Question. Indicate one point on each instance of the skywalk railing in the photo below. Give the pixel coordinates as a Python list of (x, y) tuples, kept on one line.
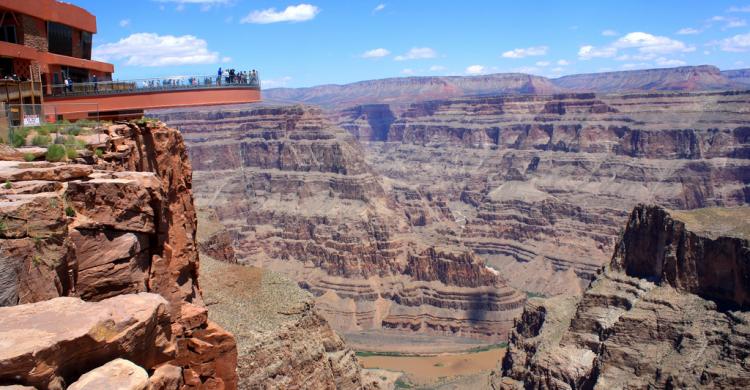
[(174, 83)]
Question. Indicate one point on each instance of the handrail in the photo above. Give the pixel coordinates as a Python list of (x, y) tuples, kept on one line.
[(154, 84)]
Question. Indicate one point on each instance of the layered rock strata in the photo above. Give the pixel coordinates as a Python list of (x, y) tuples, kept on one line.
[(539, 186), (98, 228), (669, 312), (293, 194)]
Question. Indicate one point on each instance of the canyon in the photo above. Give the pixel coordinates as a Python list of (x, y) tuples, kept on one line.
[(291, 193), (669, 311)]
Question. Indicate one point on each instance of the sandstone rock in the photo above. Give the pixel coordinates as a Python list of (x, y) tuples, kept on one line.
[(23, 171), (119, 374), (166, 377), (63, 336)]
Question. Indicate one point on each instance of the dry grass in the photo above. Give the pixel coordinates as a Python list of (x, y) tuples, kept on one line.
[(717, 221)]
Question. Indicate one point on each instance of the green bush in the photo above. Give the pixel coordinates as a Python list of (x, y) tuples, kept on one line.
[(70, 212), (8, 185), (41, 140), (71, 152), (55, 153), (18, 140), (99, 153), (29, 157)]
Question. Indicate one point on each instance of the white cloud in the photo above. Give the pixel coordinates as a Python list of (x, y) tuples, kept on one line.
[(688, 31), (437, 68), (563, 62), (588, 52), (125, 23), (407, 71), (376, 53), (226, 60), (475, 70), (558, 69), (417, 53), (729, 21), (738, 43), (542, 63), (277, 82), (610, 33), (648, 43), (739, 9), (647, 46), (379, 7), (661, 61), (149, 49), (526, 52), (292, 13)]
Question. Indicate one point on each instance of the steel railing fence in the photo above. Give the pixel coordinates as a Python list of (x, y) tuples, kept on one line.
[(250, 80)]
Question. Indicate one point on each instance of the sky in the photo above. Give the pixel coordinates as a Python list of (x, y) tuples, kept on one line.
[(300, 44)]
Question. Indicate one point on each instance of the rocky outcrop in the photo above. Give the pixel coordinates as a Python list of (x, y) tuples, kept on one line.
[(539, 186), (654, 318), (293, 194), (98, 228)]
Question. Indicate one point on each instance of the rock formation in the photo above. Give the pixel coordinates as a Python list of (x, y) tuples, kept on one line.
[(669, 312), (294, 195), (102, 229), (539, 186)]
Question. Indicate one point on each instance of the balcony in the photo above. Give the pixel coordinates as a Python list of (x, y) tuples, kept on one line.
[(130, 98), (139, 86)]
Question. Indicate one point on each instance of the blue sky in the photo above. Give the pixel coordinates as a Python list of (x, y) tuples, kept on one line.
[(311, 42)]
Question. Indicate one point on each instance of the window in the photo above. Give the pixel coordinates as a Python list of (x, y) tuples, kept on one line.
[(8, 34), (86, 45), (60, 39)]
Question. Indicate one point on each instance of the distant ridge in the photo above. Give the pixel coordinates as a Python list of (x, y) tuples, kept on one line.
[(406, 90)]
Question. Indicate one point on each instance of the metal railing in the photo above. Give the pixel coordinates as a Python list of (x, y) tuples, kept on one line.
[(250, 80)]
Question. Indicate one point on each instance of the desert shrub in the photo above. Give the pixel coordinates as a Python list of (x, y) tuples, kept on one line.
[(7, 185), (17, 140), (29, 157), (41, 140), (99, 152), (71, 152), (55, 153), (70, 212)]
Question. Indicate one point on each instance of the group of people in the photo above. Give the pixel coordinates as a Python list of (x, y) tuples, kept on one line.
[(13, 77), (231, 76)]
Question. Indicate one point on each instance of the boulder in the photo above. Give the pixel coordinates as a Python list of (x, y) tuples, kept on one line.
[(119, 374), (64, 337)]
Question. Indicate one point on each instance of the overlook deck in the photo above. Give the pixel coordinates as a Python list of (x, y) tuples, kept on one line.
[(120, 99)]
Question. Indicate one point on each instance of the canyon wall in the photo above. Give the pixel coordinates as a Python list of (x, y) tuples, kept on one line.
[(539, 186), (670, 311), (113, 231), (293, 194)]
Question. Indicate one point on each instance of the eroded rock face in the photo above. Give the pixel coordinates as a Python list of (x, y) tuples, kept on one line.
[(637, 329), (292, 192), (539, 186), (123, 224)]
